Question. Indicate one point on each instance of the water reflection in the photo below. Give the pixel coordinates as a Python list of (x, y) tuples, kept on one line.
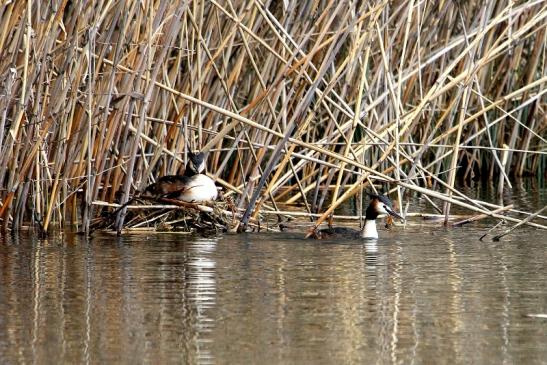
[(417, 295), (371, 255), (201, 291), (71, 300)]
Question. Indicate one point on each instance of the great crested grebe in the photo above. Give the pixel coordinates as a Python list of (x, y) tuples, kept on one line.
[(192, 187), (379, 204)]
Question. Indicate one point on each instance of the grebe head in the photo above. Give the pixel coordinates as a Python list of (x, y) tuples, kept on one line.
[(380, 204), (196, 162)]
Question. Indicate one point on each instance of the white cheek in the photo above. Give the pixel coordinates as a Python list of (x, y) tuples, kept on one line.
[(382, 209), (201, 167)]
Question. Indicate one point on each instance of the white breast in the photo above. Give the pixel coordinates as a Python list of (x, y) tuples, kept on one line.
[(369, 230), (201, 188)]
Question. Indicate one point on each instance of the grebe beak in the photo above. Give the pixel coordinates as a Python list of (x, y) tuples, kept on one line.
[(393, 213)]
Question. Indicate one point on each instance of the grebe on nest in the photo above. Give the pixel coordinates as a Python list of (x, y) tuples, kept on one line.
[(379, 204), (191, 187)]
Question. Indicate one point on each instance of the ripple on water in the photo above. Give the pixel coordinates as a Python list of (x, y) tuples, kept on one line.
[(420, 293)]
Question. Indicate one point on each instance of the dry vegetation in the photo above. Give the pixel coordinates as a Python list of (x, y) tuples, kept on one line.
[(297, 102)]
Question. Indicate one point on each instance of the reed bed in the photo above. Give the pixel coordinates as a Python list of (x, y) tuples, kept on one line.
[(304, 103)]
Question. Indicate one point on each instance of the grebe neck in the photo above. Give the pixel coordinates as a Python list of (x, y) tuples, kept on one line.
[(369, 229)]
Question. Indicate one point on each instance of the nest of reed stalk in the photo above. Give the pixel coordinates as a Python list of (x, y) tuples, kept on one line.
[(169, 215)]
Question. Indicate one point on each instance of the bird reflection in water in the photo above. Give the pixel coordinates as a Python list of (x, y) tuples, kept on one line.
[(202, 292), (371, 254)]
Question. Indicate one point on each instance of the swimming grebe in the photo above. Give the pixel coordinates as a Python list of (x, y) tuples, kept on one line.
[(192, 187), (379, 204)]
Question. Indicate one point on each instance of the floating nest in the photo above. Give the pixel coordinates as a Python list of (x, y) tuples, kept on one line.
[(171, 215)]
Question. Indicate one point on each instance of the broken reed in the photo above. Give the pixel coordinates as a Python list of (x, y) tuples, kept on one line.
[(99, 98)]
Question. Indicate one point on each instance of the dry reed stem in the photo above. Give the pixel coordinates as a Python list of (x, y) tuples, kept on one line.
[(104, 97), (481, 216), (525, 221)]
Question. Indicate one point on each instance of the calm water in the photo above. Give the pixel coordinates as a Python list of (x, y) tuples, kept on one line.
[(423, 294)]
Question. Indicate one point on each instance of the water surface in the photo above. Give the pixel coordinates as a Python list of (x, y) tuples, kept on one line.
[(424, 294)]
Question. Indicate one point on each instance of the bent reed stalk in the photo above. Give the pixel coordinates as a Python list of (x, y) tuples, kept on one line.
[(298, 103)]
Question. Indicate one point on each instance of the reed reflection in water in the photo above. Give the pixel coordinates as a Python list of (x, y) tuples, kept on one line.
[(419, 295)]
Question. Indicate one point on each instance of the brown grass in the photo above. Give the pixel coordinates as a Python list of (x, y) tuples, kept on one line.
[(290, 98)]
